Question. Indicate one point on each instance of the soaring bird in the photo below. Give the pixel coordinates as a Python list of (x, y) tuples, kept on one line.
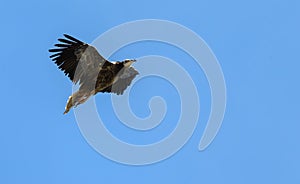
[(82, 63)]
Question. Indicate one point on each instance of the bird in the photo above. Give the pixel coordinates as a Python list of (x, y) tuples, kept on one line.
[(83, 64)]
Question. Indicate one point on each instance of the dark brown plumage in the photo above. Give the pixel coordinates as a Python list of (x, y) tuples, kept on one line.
[(82, 63)]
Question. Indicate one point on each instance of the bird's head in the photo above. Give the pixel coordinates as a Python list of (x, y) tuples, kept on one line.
[(128, 62)]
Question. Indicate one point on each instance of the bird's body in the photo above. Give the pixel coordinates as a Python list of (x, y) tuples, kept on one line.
[(82, 63)]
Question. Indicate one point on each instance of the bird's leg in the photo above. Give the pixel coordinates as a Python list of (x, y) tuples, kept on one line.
[(81, 100), (84, 98)]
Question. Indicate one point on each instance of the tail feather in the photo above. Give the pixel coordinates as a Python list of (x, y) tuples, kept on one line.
[(69, 104)]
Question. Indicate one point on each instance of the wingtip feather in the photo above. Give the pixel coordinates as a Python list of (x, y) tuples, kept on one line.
[(72, 38)]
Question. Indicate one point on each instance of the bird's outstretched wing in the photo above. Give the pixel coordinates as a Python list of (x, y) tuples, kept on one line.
[(78, 60), (124, 80)]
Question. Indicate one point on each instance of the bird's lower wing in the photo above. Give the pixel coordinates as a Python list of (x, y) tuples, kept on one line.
[(124, 79)]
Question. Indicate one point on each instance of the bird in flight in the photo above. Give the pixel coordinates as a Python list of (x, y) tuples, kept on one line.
[(82, 63)]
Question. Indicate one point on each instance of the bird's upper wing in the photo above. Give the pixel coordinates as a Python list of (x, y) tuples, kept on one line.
[(124, 80), (78, 60)]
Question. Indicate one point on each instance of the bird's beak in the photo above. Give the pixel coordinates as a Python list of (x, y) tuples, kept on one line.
[(132, 61)]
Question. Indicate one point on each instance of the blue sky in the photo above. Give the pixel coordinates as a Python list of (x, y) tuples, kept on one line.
[(256, 43)]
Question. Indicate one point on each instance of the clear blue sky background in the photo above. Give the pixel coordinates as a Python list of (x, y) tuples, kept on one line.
[(256, 42)]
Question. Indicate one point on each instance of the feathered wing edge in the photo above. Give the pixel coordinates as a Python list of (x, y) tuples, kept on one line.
[(69, 52), (67, 55)]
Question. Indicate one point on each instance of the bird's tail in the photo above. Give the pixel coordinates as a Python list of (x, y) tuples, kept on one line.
[(69, 104), (76, 99)]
